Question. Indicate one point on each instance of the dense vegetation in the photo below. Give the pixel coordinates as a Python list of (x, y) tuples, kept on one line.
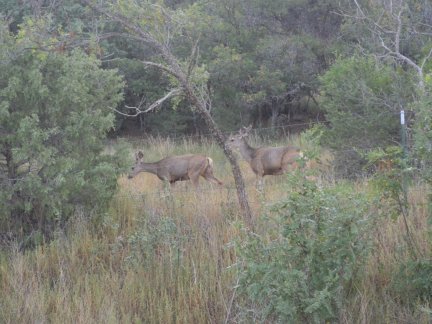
[(79, 242)]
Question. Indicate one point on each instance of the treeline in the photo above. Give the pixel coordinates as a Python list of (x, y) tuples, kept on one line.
[(266, 63), (261, 60)]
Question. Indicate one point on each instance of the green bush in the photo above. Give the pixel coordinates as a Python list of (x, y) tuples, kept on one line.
[(157, 237), (423, 131), (302, 269), (54, 117), (413, 281), (361, 99)]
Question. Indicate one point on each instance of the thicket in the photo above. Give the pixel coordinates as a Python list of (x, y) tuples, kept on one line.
[(54, 120), (305, 267)]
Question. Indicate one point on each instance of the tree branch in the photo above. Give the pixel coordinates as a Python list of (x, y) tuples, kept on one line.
[(157, 103), (193, 58), (161, 67), (396, 53), (138, 32)]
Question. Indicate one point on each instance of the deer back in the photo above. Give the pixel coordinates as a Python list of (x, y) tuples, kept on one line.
[(178, 167), (175, 168)]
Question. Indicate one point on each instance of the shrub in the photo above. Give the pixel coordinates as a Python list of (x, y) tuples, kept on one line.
[(54, 118), (155, 238), (302, 270), (361, 99), (413, 281), (423, 131)]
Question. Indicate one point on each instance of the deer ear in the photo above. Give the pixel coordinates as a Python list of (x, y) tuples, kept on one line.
[(140, 155), (244, 131)]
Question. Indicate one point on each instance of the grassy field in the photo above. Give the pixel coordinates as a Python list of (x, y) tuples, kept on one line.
[(160, 256)]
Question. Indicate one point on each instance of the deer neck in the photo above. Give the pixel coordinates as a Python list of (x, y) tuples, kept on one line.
[(246, 151), (149, 167)]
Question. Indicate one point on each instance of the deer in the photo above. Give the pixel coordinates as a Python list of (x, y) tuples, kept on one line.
[(177, 168), (265, 160)]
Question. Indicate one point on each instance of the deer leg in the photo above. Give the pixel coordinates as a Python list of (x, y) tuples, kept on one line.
[(194, 177), (208, 175), (166, 186), (260, 183), (195, 180), (196, 171), (258, 169)]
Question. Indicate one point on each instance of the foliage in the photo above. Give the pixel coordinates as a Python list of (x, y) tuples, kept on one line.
[(359, 98), (423, 131), (302, 272), (155, 238), (390, 172), (53, 117), (97, 274), (228, 71), (252, 84), (413, 281), (374, 26), (389, 165), (391, 183)]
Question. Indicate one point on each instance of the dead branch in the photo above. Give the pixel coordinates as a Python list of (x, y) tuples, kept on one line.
[(394, 50), (157, 103), (161, 67)]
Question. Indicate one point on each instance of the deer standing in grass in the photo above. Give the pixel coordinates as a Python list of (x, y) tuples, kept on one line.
[(265, 160), (177, 168)]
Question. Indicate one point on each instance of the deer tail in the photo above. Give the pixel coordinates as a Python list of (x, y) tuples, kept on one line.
[(209, 162)]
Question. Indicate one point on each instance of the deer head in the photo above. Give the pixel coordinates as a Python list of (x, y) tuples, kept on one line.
[(139, 156), (237, 141)]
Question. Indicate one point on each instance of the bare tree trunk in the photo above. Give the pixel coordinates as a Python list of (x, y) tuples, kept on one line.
[(220, 139), (274, 115), (216, 134)]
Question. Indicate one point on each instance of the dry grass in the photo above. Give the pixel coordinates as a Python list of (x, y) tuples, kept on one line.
[(373, 301), (165, 257)]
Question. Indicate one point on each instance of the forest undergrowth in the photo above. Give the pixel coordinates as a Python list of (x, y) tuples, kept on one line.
[(181, 255)]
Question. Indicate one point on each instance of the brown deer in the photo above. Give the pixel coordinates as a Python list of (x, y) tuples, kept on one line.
[(384, 165), (177, 168), (265, 160)]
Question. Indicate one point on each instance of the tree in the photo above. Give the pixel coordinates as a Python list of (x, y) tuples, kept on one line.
[(290, 43), (398, 34), (155, 25), (423, 131), (361, 99), (52, 125), (396, 31)]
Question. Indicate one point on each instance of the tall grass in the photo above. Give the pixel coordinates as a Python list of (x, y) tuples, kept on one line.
[(374, 298), (161, 256)]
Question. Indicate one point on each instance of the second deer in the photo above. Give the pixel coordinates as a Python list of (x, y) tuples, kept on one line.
[(177, 168), (265, 160)]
